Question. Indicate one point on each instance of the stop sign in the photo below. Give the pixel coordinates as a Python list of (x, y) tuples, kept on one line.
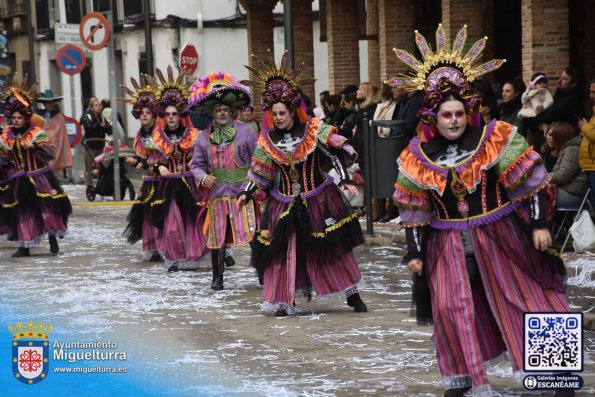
[(189, 59)]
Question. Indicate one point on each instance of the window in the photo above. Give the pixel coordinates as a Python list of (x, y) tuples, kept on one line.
[(45, 15), (133, 11), (74, 11)]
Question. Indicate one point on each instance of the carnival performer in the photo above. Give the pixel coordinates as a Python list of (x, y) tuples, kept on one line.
[(220, 163), (38, 205), (308, 231), (55, 125), (475, 202), (179, 206), (142, 98)]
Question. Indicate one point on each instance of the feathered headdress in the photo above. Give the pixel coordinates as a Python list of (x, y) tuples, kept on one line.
[(19, 96), (141, 95), (277, 84), (172, 92), (443, 72), (215, 89)]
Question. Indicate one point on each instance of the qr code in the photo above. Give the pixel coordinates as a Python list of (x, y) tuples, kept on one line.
[(553, 342)]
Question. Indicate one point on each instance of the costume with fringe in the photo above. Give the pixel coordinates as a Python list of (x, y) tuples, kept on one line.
[(471, 274), (38, 205), (308, 230), (226, 223), (180, 206), (469, 206), (140, 215)]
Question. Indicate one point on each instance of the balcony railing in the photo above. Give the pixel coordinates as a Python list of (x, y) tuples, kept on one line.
[(11, 8)]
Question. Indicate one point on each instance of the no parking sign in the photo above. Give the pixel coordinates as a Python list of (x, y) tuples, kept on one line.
[(71, 59)]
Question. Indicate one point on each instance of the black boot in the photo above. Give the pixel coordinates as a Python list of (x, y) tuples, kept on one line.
[(281, 312), (54, 249), (21, 252), (356, 302), (229, 261), (218, 264), (156, 257), (456, 392)]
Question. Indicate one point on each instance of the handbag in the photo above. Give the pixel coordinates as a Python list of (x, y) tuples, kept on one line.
[(583, 233)]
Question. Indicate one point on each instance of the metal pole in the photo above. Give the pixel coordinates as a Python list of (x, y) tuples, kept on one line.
[(288, 30), (113, 92), (148, 37), (367, 174), (75, 169), (30, 33)]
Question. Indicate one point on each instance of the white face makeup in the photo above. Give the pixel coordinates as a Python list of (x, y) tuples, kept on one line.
[(451, 119), (172, 118), (282, 116)]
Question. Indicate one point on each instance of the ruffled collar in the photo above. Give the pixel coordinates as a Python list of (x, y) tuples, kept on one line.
[(302, 149), (415, 161)]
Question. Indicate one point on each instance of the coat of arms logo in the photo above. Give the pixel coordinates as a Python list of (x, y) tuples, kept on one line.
[(30, 351)]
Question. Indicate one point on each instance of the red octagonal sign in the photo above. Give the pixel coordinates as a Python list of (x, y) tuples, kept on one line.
[(189, 59)]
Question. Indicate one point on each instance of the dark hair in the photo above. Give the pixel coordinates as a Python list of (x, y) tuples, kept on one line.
[(518, 85), (387, 92), (541, 79), (334, 100), (351, 88), (574, 74), (350, 97)]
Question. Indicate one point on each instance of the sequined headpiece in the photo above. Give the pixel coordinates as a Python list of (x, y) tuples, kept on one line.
[(172, 92), (217, 89), (443, 63), (19, 97), (142, 95), (277, 84), (442, 73)]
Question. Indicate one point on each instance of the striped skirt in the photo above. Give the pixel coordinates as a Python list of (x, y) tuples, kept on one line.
[(477, 320), (309, 248)]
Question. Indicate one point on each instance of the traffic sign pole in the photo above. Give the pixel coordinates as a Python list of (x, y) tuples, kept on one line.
[(76, 177), (113, 94)]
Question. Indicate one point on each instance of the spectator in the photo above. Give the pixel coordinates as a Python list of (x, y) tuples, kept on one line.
[(95, 127), (349, 89), (489, 102), (567, 99), (511, 104), (246, 116), (587, 149), (333, 117), (349, 114), (384, 111), (548, 155), (567, 174), (322, 111), (367, 95), (408, 114), (106, 103), (536, 97), (56, 127)]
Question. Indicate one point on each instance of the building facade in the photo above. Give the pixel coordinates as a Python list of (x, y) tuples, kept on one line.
[(340, 41)]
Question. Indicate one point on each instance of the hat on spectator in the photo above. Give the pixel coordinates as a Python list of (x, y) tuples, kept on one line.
[(48, 96)]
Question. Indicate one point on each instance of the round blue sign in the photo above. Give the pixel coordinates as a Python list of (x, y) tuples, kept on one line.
[(71, 59)]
